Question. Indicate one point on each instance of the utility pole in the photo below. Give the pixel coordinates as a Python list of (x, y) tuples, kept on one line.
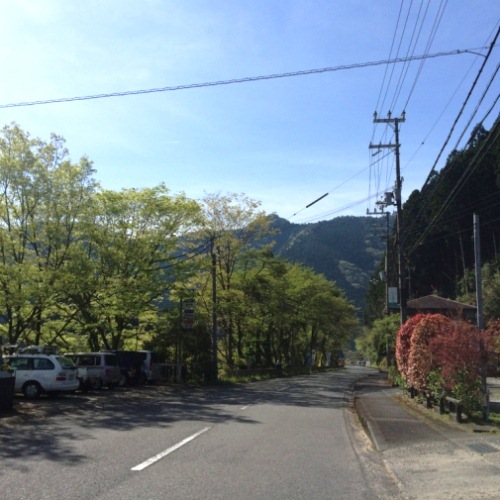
[(384, 274), (480, 319), (385, 277), (215, 364), (394, 122)]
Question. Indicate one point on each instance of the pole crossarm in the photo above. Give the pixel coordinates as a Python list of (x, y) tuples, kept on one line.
[(381, 146)]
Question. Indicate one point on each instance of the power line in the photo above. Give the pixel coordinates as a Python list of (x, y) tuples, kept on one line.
[(331, 190), (243, 80), (474, 163), (464, 105), (461, 111), (434, 29)]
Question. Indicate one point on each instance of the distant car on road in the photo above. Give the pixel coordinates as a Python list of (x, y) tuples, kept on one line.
[(340, 359), (38, 374)]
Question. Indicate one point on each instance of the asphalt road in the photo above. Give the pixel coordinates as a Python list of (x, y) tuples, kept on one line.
[(287, 438)]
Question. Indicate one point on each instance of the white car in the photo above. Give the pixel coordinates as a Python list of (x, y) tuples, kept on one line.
[(38, 374)]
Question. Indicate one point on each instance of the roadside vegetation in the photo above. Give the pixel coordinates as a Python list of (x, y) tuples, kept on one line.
[(431, 354), (85, 268)]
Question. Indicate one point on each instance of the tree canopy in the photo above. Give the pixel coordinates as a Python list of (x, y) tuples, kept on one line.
[(82, 267)]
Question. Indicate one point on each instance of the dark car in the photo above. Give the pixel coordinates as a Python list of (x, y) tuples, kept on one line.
[(137, 367)]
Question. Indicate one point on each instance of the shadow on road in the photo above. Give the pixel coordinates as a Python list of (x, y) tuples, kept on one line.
[(42, 427)]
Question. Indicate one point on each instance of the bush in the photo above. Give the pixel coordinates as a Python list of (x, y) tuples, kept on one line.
[(436, 355), (421, 360), (468, 388)]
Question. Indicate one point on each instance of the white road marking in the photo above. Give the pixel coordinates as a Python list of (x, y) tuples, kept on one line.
[(166, 452), (245, 407)]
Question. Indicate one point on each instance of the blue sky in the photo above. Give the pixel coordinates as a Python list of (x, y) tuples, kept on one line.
[(285, 141)]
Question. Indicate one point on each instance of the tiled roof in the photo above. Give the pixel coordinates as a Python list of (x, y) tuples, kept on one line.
[(435, 302)]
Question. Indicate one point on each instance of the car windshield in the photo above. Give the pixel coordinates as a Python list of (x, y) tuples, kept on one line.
[(66, 363)]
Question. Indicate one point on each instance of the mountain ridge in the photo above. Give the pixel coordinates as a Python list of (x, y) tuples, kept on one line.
[(346, 250)]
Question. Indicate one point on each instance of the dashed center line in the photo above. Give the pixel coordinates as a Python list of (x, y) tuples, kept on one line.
[(166, 452)]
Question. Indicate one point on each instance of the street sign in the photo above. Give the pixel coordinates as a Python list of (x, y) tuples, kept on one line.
[(392, 297), (188, 323), (188, 313)]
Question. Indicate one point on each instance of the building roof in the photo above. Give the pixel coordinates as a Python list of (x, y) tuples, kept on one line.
[(435, 302)]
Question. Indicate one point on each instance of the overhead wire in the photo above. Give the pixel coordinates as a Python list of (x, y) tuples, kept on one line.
[(493, 136), (331, 191), (490, 201), (399, 87), (412, 44), (239, 80), (437, 22), (183, 257), (411, 47), (397, 53), (387, 67), (408, 226), (438, 119), (479, 104), (461, 111)]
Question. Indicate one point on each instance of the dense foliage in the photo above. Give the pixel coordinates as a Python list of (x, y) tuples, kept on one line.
[(87, 268), (436, 355)]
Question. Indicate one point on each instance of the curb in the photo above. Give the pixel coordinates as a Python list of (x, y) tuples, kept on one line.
[(370, 427)]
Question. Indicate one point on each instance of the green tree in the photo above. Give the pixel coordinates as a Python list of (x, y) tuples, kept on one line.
[(235, 225), (292, 314), (42, 198), (129, 263)]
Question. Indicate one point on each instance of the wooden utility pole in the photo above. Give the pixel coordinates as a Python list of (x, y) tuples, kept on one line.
[(480, 319), (385, 279), (394, 122), (215, 364), (383, 204)]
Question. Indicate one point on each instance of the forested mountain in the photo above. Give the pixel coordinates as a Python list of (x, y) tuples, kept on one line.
[(346, 250)]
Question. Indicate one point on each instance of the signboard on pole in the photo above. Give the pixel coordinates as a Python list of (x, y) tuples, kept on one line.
[(188, 313), (392, 297)]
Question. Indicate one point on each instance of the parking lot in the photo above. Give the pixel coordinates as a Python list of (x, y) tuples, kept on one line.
[(25, 411)]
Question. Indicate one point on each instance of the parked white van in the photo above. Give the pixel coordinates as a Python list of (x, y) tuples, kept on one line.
[(38, 374), (96, 369)]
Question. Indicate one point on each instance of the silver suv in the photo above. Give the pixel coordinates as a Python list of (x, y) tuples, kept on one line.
[(38, 374)]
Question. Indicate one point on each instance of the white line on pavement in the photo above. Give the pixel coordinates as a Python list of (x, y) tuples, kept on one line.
[(166, 452)]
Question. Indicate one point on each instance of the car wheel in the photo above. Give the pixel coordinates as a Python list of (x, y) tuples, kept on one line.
[(97, 384), (32, 390), (124, 380)]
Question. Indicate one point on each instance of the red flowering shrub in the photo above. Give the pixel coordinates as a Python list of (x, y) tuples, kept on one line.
[(456, 353), (403, 344), (421, 361), (435, 354)]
